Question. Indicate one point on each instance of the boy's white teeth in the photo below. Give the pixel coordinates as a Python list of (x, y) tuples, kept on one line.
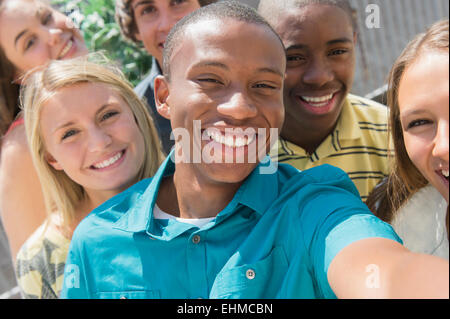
[(319, 99), (230, 140), (445, 172), (66, 49), (109, 162)]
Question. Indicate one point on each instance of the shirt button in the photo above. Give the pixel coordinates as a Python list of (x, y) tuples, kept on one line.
[(196, 239), (250, 274)]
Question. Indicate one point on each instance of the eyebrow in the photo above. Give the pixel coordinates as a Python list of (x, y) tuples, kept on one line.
[(23, 32), (331, 42), (209, 64), (411, 112), (340, 40), (19, 36), (71, 122), (143, 2), (225, 67)]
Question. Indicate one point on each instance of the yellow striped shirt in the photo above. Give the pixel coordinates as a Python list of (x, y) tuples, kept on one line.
[(40, 263), (358, 145)]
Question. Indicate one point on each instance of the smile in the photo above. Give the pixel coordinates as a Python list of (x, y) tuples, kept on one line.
[(445, 173), (66, 49), (230, 140), (109, 162), (318, 101)]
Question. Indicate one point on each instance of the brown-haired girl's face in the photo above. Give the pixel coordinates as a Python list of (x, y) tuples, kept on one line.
[(423, 100), (31, 33)]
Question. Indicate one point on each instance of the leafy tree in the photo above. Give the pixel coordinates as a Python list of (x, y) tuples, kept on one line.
[(95, 19)]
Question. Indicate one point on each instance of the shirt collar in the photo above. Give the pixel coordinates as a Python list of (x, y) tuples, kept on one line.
[(347, 125), (261, 188), (258, 192), (347, 128), (139, 215), (155, 70)]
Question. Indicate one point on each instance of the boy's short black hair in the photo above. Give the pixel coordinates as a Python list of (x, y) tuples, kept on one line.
[(269, 8), (219, 10)]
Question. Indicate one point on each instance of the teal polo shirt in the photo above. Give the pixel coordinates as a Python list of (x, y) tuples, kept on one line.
[(275, 239)]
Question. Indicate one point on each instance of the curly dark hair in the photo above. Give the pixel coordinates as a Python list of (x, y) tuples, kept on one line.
[(125, 18)]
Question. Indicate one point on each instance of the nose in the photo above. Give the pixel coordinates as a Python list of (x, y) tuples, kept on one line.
[(441, 141), (99, 139), (317, 73), (238, 106), (54, 36), (166, 22)]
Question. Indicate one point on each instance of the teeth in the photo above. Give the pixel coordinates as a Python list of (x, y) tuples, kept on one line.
[(445, 172), (229, 140), (109, 162), (318, 99), (66, 49)]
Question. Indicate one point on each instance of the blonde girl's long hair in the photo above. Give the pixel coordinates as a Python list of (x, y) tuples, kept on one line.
[(404, 179), (62, 194)]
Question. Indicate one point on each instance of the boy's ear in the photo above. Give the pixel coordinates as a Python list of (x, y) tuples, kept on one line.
[(162, 96), (52, 161)]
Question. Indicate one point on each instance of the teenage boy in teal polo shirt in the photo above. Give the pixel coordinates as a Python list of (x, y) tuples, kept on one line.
[(208, 227)]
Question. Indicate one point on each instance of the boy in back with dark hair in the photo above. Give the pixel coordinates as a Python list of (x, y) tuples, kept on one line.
[(147, 23), (325, 124), (215, 221)]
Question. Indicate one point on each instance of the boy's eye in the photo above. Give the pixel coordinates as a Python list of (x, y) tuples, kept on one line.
[(147, 10), (338, 52), (209, 80), (264, 86), (295, 58)]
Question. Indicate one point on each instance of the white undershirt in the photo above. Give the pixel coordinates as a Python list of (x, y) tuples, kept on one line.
[(199, 222)]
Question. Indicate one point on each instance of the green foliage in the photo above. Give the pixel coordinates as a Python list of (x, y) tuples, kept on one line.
[(95, 18)]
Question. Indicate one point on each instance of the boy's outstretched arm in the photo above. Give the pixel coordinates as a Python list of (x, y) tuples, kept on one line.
[(383, 268)]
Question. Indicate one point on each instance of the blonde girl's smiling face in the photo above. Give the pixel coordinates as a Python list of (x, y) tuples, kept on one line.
[(90, 133), (32, 33), (424, 114)]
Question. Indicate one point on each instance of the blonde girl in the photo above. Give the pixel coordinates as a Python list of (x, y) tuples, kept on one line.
[(90, 138)]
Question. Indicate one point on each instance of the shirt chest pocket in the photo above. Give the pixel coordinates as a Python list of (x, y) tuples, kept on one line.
[(262, 279), (138, 294)]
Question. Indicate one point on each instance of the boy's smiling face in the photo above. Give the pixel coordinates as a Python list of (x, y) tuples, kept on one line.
[(228, 74), (320, 49)]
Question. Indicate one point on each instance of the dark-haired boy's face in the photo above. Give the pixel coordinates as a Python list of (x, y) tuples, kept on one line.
[(320, 43), (155, 18), (228, 75)]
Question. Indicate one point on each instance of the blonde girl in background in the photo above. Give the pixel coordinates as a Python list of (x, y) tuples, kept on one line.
[(90, 138)]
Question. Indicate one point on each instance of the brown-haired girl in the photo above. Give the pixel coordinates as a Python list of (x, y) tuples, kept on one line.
[(416, 195)]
